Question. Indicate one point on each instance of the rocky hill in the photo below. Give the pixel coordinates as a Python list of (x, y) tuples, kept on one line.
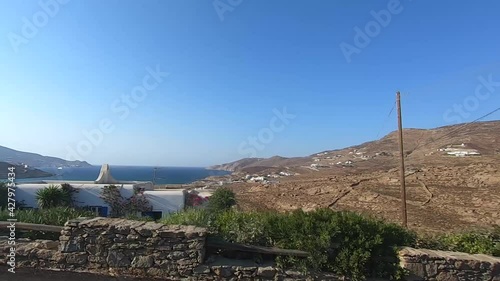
[(258, 164), (36, 160), (421, 146), (452, 179), (21, 172)]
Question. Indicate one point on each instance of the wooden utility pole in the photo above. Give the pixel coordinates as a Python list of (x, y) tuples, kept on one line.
[(401, 152)]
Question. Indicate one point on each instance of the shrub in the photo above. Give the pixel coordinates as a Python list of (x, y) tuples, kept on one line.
[(137, 203), (472, 242), (120, 206), (468, 242), (222, 199), (197, 217), (54, 216), (51, 197), (112, 196), (68, 194), (341, 242)]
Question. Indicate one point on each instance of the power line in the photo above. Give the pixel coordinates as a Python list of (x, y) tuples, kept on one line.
[(458, 128), (386, 119)]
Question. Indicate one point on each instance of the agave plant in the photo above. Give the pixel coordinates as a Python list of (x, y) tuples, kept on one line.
[(51, 197)]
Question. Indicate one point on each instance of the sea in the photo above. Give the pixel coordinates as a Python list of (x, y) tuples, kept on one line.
[(158, 175)]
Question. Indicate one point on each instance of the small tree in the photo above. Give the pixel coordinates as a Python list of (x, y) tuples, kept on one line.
[(68, 193), (120, 206), (138, 203), (222, 199), (111, 195), (51, 197)]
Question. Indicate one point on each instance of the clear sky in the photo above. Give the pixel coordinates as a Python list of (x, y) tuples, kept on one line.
[(76, 75)]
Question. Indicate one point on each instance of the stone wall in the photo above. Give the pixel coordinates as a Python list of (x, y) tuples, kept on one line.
[(450, 266), (138, 248), (142, 249), (145, 249)]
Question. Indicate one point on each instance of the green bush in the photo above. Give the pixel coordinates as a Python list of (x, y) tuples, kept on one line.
[(473, 242), (197, 217), (68, 194), (222, 199), (122, 207), (341, 242), (53, 216), (53, 196)]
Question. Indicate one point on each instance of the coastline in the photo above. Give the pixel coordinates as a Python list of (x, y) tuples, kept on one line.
[(160, 176)]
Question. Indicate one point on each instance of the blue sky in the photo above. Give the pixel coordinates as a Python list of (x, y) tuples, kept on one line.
[(231, 69)]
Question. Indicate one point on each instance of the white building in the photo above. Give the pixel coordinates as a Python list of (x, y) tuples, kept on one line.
[(459, 150), (88, 194), (257, 179), (463, 153)]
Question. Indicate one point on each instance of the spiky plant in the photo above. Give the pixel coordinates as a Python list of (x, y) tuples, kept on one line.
[(50, 197)]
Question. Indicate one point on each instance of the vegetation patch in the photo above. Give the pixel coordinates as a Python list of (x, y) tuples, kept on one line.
[(472, 242), (221, 200), (122, 207), (341, 242), (52, 216)]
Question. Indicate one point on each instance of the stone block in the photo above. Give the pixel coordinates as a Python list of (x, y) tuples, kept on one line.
[(431, 269), (117, 259), (201, 269), (142, 261), (266, 272), (223, 271), (77, 258), (416, 269), (446, 276)]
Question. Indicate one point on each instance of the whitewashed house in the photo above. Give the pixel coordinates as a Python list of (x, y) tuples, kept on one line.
[(459, 150), (88, 194), (257, 179)]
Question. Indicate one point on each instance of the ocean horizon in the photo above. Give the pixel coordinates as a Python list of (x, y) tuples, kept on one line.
[(163, 175)]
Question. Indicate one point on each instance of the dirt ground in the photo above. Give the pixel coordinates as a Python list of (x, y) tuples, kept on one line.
[(439, 198)]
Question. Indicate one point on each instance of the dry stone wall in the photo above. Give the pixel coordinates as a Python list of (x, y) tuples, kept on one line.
[(449, 266), (166, 252), (141, 249)]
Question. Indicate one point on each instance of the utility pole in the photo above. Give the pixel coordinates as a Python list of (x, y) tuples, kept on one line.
[(401, 152)]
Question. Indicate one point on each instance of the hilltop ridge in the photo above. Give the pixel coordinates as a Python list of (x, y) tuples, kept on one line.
[(36, 160), (420, 145)]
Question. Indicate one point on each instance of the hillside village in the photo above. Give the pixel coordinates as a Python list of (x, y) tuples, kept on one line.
[(444, 174)]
